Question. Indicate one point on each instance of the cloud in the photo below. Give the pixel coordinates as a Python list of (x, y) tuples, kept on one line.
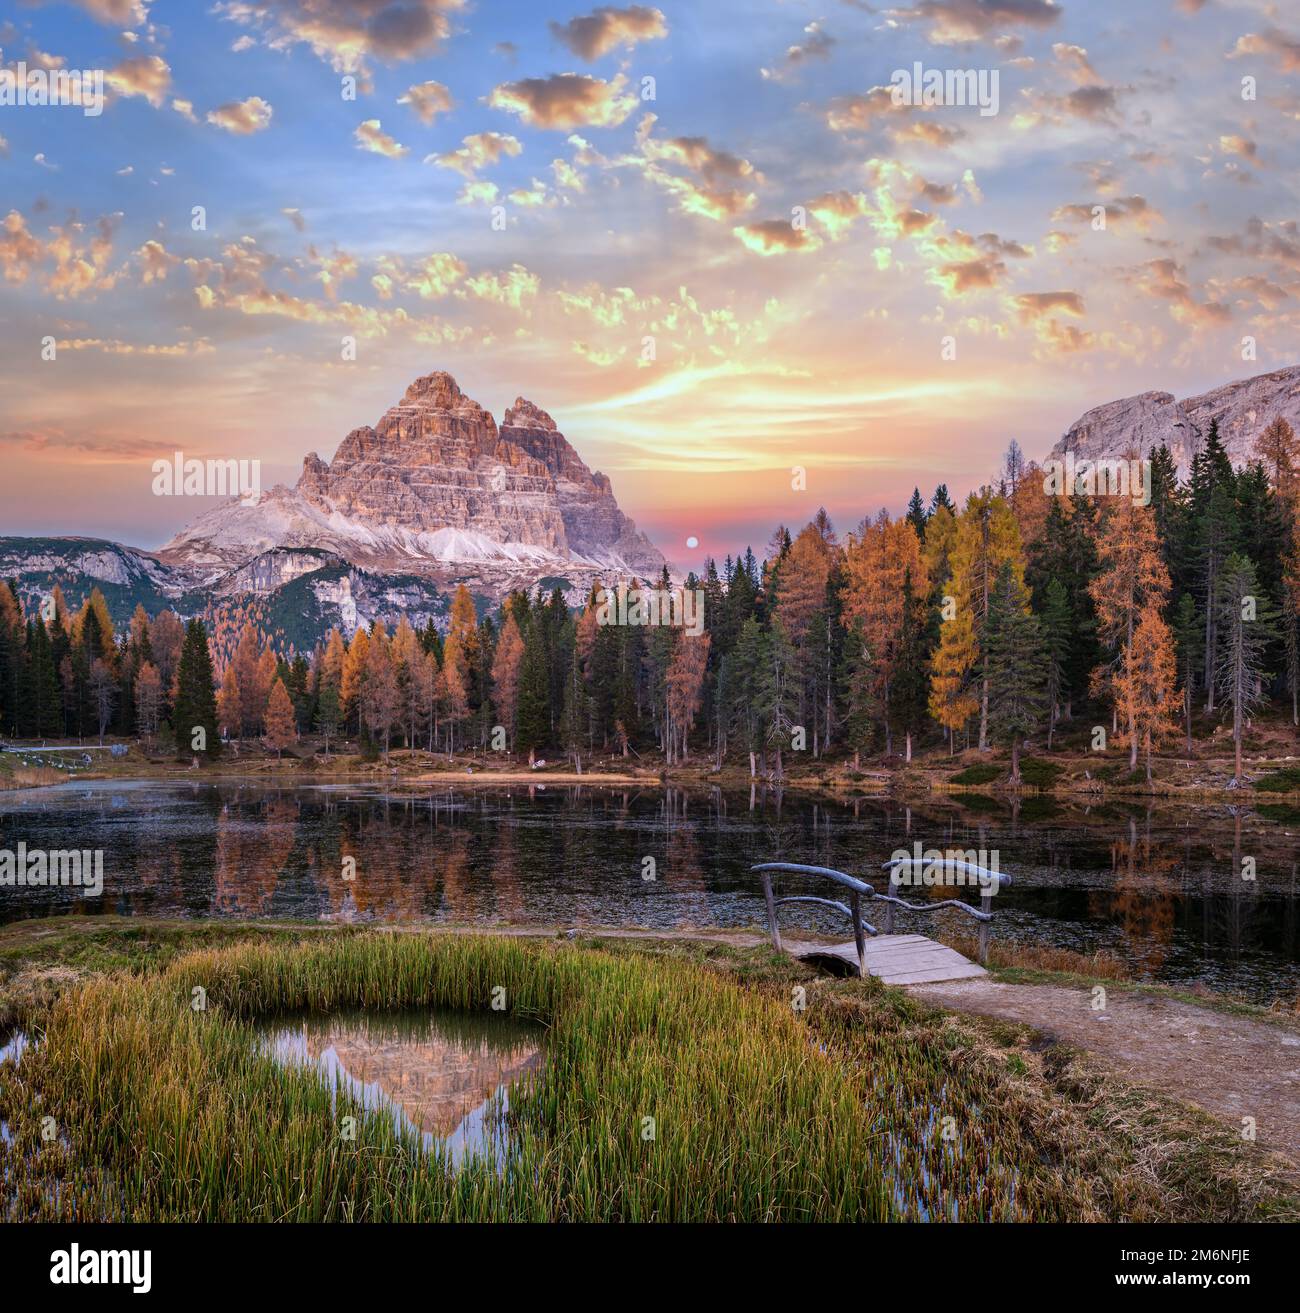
[(817, 46), (1074, 62), (605, 29), (951, 22), (116, 347), (19, 250), (1272, 42), (926, 132), (1035, 305), (294, 215), (1237, 145), (427, 99), (724, 189), (512, 288), (155, 261), (141, 75), (369, 137), (477, 151), (838, 211), (860, 112), (344, 33), (566, 101), (185, 108), (776, 237), (1134, 210), (1167, 281), (242, 117), (80, 256), (119, 13)]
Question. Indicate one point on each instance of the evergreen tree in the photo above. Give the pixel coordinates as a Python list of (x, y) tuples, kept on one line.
[(909, 688), (196, 701), (1014, 665), (1244, 630), (1188, 632), (1057, 630), (916, 514)]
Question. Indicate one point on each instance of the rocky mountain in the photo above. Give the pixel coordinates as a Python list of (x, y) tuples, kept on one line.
[(298, 594), (1244, 410), (435, 485), (434, 495)]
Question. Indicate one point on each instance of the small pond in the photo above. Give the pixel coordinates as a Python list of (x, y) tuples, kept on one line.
[(444, 1077)]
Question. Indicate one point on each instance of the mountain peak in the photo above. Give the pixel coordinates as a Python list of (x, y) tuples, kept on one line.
[(525, 415), (438, 391), (433, 482)]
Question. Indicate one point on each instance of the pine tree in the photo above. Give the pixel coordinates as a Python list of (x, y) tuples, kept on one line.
[(916, 514), (1056, 626), (1244, 630), (1188, 630), (194, 716), (533, 724), (910, 687), (858, 684), (1014, 664), (328, 713)]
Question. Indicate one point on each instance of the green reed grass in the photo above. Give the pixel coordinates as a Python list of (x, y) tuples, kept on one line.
[(862, 1107)]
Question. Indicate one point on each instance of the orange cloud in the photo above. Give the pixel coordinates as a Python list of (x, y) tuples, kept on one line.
[(566, 101), (606, 29)]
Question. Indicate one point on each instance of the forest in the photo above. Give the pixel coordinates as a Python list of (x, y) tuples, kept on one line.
[(1024, 615)]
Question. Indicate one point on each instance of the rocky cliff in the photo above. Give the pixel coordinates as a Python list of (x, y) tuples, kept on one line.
[(1244, 410), (432, 484)]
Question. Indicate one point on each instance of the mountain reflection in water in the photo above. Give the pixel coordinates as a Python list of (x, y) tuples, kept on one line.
[(435, 1073)]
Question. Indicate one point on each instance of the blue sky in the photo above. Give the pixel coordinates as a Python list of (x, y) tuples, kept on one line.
[(627, 218)]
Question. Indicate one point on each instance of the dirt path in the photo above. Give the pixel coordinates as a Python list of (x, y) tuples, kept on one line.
[(1228, 1065)]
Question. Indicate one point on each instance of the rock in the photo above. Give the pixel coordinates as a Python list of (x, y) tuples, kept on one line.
[(1244, 410), (433, 483)]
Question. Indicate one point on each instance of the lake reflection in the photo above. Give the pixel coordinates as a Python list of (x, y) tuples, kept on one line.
[(444, 1077), (1164, 889)]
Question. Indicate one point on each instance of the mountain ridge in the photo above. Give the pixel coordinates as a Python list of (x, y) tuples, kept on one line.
[(1141, 423)]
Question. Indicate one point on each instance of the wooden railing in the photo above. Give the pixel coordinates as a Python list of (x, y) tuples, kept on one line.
[(858, 889)]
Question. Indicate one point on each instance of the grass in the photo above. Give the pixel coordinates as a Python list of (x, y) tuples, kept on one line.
[(1041, 774), (863, 1105), (980, 773), (1286, 780)]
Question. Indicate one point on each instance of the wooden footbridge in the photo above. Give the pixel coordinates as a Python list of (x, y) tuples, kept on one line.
[(897, 959)]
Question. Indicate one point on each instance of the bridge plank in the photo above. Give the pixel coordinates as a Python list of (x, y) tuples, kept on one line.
[(897, 959)]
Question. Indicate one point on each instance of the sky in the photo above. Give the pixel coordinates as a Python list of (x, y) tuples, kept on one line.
[(743, 278)]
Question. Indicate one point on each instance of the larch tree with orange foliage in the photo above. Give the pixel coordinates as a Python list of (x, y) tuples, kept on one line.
[(281, 729), (685, 693), (987, 538), (380, 694), (505, 675), (800, 582), (878, 560), (1132, 580), (1145, 687), (354, 678)]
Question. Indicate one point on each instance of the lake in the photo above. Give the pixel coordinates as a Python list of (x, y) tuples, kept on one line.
[(1170, 890)]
